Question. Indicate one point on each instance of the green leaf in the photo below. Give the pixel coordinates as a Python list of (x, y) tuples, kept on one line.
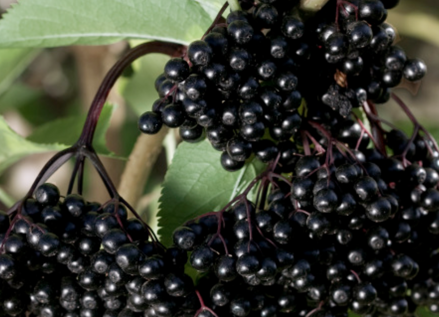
[(66, 131), (424, 312), (54, 136), (138, 90), (47, 23), (211, 6), (12, 63), (19, 95), (14, 147), (196, 183)]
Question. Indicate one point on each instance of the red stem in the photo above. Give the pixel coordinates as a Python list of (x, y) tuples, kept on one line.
[(203, 306)]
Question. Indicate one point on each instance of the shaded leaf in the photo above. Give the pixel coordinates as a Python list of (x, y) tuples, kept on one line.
[(47, 23), (138, 90), (66, 131), (14, 147), (54, 136), (12, 63), (18, 95), (196, 183)]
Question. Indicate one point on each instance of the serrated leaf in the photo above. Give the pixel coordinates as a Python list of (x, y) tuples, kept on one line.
[(48, 23), (66, 131), (196, 183), (12, 63)]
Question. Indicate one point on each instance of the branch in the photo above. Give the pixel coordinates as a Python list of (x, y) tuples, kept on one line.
[(170, 49), (139, 166)]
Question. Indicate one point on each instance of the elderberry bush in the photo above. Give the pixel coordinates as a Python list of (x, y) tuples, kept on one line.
[(354, 230), (248, 83), (69, 257)]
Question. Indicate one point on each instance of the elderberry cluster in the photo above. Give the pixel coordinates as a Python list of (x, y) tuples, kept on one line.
[(69, 257), (248, 84), (355, 229), (357, 51)]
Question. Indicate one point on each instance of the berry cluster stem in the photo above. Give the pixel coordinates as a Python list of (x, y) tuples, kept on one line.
[(83, 148), (114, 73)]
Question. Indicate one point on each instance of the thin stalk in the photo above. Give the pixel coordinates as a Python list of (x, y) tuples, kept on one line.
[(218, 18)]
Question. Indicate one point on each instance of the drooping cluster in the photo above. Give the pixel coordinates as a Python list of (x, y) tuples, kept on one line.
[(69, 257), (355, 229), (249, 83)]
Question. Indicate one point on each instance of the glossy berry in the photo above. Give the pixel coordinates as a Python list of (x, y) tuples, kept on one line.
[(372, 11), (238, 149), (150, 122), (414, 69), (199, 53), (252, 132), (47, 194), (152, 268), (266, 16), (172, 116), (240, 32), (292, 27), (75, 205), (359, 34), (176, 69), (265, 150), (240, 307), (202, 258), (379, 210)]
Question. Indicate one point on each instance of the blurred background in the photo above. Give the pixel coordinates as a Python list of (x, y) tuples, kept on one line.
[(40, 87)]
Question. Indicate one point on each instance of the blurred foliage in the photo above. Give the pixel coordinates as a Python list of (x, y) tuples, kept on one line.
[(138, 90), (12, 63), (418, 19), (66, 131)]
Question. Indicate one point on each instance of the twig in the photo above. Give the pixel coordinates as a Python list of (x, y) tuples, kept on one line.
[(217, 19), (139, 165), (114, 73)]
